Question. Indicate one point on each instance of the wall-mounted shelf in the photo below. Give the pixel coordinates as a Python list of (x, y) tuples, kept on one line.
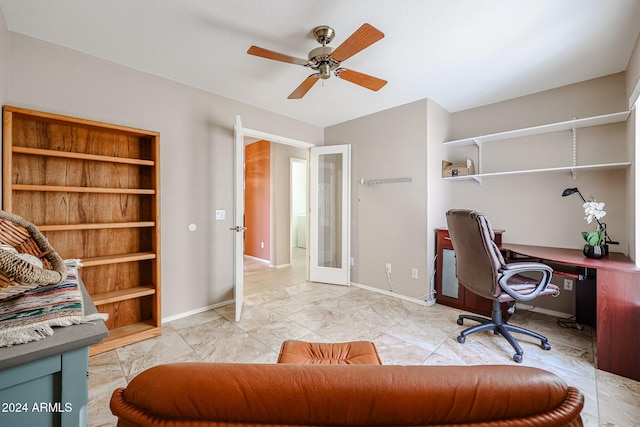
[(542, 129), (571, 125), (572, 169)]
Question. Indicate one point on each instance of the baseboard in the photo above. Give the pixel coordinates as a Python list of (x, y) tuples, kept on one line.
[(196, 311), (266, 261), (392, 294), (281, 265), (541, 310)]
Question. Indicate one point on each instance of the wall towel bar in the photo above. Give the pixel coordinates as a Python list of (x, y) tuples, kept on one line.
[(384, 181)]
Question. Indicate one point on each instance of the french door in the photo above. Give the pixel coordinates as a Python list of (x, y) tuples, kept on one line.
[(329, 214)]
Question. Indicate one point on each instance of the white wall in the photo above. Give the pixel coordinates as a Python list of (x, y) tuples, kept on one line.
[(299, 201), (196, 154)]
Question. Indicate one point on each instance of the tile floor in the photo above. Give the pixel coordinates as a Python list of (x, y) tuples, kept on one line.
[(280, 305)]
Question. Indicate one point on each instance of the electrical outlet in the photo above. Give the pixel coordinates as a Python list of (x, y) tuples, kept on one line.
[(261, 245), (388, 268), (568, 284), (414, 273)]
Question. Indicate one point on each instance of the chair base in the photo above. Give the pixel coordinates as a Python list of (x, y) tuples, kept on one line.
[(499, 326)]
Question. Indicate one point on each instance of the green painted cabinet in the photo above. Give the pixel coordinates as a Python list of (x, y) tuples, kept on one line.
[(45, 383)]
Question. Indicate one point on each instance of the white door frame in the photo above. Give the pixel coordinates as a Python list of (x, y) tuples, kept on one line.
[(240, 135)]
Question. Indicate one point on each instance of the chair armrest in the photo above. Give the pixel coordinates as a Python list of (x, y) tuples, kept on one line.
[(516, 268)]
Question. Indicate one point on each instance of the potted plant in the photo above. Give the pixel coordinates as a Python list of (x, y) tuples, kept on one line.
[(595, 247)]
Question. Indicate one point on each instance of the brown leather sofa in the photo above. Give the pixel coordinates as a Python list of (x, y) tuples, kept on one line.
[(202, 394)]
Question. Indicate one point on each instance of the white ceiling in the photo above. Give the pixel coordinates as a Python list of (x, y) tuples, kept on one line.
[(460, 53)]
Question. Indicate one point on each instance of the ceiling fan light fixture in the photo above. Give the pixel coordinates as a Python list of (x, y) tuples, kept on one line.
[(325, 70)]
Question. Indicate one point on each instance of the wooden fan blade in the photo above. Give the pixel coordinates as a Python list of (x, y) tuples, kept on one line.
[(304, 87), (361, 79), (269, 54), (362, 38)]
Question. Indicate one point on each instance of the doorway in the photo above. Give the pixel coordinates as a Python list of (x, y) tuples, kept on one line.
[(276, 202), (329, 195)]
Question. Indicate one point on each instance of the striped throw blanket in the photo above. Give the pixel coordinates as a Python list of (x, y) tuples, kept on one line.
[(31, 316)]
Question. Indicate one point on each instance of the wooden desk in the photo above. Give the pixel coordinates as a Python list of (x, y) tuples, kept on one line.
[(617, 306)]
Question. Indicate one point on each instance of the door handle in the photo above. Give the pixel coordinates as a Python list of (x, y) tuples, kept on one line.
[(238, 229)]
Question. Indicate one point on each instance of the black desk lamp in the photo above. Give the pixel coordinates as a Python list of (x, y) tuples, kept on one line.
[(607, 239)]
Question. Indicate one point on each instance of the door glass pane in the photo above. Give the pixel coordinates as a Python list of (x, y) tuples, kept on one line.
[(449, 280), (330, 210)]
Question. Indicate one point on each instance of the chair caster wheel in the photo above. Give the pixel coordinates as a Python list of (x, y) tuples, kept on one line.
[(459, 321), (517, 357), (461, 339), (545, 345)]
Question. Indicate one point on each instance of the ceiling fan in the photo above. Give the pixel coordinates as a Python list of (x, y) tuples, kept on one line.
[(326, 59)]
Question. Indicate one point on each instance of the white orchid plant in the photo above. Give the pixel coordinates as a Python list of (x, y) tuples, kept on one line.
[(594, 210)]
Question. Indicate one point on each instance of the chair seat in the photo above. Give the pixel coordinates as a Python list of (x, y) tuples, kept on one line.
[(524, 285), (346, 353)]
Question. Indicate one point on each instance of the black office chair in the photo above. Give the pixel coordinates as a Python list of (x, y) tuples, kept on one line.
[(481, 268)]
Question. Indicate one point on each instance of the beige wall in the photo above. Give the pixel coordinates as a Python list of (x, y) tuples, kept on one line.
[(633, 70), (439, 191), (389, 221), (530, 207), (4, 58), (196, 152)]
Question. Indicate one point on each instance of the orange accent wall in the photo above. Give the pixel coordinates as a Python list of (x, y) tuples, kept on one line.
[(257, 199)]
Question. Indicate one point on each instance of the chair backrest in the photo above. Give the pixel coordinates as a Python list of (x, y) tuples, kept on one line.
[(478, 259)]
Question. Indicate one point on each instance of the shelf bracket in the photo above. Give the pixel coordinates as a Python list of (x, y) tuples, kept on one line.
[(478, 142), (574, 148)]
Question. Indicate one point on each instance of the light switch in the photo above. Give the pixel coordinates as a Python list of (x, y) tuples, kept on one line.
[(220, 214)]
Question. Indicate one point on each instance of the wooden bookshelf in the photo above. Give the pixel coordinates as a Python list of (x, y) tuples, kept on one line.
[(93, 190)]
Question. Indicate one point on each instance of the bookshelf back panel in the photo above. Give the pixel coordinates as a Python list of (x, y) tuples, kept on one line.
[(52, 135), (128, 312), (115, 277), (55, 171), (103, 242)]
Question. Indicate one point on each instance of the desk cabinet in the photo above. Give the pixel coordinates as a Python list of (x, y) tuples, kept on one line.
[(448, 291), (617, 306)]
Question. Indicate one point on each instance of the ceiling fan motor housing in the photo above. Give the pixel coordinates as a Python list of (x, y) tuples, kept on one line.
[(320, 60)]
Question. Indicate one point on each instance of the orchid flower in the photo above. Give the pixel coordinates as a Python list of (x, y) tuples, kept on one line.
[(593, 209)]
